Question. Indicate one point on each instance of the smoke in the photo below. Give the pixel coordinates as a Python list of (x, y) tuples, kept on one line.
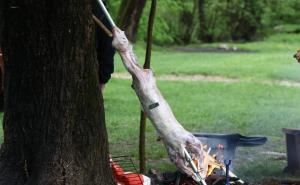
[(223, 149)]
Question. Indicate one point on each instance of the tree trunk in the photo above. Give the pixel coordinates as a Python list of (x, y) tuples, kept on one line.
[(54, 129), (187, 23), (1, 20), (203, 31), (129, 16)]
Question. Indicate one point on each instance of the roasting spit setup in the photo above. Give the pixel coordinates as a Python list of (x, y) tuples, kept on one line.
[(196, 159)]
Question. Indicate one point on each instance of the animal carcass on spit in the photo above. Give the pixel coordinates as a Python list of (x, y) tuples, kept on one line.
[(176, 139)]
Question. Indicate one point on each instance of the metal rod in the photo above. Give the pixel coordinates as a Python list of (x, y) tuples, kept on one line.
[(194, 168), (110, 20)]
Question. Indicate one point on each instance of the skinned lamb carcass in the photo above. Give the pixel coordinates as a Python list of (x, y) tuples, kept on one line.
[(174, 136)]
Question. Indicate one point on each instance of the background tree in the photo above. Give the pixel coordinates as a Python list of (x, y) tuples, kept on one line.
[(187, 21), (214, 20), (284, 16), (244, 18), (54, 129), (1, 20), (1, 60), (129, 16), (203, 33)]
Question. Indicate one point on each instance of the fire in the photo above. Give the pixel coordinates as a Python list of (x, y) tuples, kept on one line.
[(210, 162), (213, 162)]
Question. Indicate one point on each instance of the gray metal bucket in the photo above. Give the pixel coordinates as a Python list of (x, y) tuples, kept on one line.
[(229, 143)]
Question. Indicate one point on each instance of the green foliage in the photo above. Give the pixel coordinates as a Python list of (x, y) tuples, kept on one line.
[(231, 20), (244, 18), (279, 12), (215, 22), (166, 22), (240, 20), (113, 7)]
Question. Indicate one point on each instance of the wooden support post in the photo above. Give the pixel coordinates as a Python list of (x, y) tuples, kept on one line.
[(102, 26), (142, 152)]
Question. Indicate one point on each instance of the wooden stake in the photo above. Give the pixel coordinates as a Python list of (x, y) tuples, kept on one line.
[(143, 117), (102, 26)]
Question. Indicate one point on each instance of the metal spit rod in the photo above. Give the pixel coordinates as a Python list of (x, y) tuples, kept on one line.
[(110, 20), (200, 180)]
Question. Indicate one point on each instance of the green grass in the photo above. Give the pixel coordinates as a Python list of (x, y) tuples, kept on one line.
[(270, 59), (288, 28), (248, 107), (207, 106)]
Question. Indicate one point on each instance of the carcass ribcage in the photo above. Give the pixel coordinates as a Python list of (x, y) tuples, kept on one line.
[(174, 136)]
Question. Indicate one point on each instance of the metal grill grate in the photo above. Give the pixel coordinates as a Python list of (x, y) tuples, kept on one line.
[(130, 176)]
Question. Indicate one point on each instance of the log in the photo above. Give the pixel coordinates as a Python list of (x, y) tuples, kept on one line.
[(172, 133)]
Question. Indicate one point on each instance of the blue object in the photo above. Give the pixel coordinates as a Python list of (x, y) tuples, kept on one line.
[(227, 165)]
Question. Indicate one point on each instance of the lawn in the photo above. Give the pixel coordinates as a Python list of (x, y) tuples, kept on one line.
[(270, 59), (248, 106)]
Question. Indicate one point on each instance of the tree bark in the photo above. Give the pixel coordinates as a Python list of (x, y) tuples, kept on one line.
[(1, 19), (129, 16), (203, 30), (187, 23), (54, 129)]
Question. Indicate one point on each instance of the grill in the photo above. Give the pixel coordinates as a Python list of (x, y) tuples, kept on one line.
[(229, 142)]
